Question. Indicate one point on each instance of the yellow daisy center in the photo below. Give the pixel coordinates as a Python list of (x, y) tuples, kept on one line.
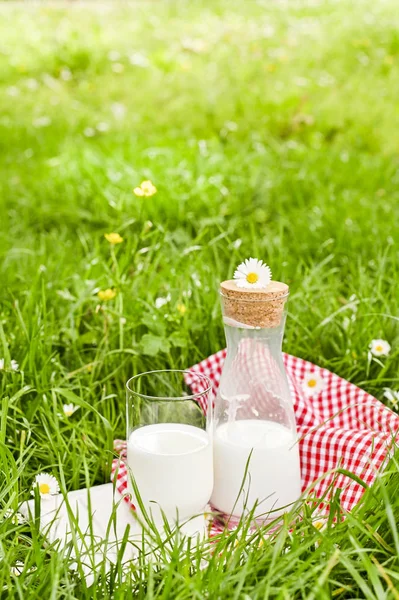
[(312, 383), (44, 488), (252, 277), (68, 413), (379, 348)]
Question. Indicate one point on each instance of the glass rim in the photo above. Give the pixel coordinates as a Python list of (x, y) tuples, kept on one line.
[(200, 376), (252, 300)]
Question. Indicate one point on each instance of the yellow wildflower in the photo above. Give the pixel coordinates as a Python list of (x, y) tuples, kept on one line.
[(113, 238), (106, 295), (146, 188), (182, 308)]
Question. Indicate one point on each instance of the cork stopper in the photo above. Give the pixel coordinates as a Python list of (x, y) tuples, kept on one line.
[(246, 307)]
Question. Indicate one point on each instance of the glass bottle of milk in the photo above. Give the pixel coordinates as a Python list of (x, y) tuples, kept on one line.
[(256, 453)]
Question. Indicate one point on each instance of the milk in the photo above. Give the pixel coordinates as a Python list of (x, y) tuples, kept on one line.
[(273, 478), (172, 465)]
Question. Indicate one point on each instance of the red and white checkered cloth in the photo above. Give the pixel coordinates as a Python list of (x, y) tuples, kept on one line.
[(341, 427)]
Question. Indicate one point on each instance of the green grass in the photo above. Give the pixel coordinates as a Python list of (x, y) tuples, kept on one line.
[(269, 123)]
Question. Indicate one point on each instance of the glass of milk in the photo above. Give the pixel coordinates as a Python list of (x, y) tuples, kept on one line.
[(169, 443), (256, 451)]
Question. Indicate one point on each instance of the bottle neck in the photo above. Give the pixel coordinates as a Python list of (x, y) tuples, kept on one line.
[(270, 336)]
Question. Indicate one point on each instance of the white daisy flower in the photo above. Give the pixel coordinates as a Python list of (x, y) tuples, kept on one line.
[(69, 409), (379, 348), (1, 364), (313, 384), (392, 396), (47, 484), (252, 273), (320, 524)]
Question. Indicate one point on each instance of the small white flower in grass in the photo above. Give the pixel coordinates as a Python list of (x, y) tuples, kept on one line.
[(13, 365), (65, 74), (102, 127), (118, 110), (114, 55), (379, 348), (69, 409), (160, 302), (47, 484), (41, 122), (32, 84), (17, 568), (392, 396), (193, 45), (196, 280), (118, 68), (13, 91), (252, 273), (139, 60), (15, 517), (313, 384), (89, 132)]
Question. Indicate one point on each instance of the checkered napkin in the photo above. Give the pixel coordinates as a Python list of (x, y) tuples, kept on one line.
[(341, 428)]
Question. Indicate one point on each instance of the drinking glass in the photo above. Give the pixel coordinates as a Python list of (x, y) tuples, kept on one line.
[(169, 442)]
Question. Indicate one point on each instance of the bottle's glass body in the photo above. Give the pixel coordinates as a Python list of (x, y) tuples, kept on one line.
[(256, 453)]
